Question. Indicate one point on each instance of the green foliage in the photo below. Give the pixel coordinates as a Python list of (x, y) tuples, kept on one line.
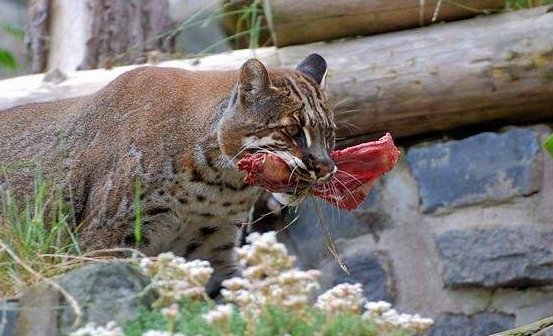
[(249, 21), (29, 227), (237, 324), (7, 60), (249, 25), (548, 145), (35, 236), (146, 320), (274, 321), (15, 31), (279, 321), (351, 325), (524, 4), (190, 321)]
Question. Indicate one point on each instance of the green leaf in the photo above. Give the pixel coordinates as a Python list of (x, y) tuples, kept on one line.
[(7, 60), (548, 144), (15, 31)]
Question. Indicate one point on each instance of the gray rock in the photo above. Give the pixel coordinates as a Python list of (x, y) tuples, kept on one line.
[(484, 167), (8, 315), (496, 257), (38, 315), (306, 234), (105, 292), (545, 332), (481, 324), (373, 271)]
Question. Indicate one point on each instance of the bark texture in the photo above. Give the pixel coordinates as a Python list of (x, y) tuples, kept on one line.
[(298, 22), (124, 31), (36, 36)]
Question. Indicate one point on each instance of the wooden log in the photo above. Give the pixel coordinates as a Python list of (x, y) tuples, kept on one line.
[(491, 69), (539, 328), (50, 87), (496, 68), (305, 21)]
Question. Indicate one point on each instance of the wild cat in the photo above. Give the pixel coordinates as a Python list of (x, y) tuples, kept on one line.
[(178, 134)]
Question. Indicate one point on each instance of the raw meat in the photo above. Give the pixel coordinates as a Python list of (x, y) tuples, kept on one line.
[(358, 168)]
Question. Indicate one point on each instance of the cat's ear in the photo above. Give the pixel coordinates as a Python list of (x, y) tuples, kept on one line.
[(253, 78), (314, 66)]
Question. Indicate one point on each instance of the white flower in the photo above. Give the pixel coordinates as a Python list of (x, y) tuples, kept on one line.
[(171, 312), (175, 278), (341, 298), (146, 265), (375, 309), (389, 318), (236, 283), (265, 256), (419, 324), (378, 307), (269, 278), (110, 329), (160, 333), (221, 314)]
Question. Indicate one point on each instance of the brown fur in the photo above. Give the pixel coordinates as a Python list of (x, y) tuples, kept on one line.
[(170, 129)]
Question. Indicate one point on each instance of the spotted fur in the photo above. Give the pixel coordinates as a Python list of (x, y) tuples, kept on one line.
[(178, 135)]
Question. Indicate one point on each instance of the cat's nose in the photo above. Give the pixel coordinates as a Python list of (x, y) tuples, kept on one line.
[(324, 170)]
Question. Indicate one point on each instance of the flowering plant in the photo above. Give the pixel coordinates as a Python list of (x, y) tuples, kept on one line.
[(271, 298)]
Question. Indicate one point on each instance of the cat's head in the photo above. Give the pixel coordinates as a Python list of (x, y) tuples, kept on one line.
[(284, 112)]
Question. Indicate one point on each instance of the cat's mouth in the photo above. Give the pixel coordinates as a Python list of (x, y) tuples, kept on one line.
[(274, 173), (289, 169), (300, 174)]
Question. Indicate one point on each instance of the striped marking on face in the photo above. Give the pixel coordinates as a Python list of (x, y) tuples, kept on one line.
[(255, 142), (314, 110), (308, 140)]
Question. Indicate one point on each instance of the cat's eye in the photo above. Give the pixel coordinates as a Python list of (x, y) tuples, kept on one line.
[(293, 130)]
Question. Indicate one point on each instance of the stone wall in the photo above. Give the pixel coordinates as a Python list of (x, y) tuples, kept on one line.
[(460, 230)]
